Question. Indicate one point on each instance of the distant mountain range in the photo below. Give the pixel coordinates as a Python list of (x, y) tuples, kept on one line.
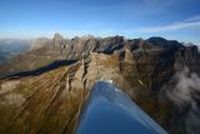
[(51, 82)]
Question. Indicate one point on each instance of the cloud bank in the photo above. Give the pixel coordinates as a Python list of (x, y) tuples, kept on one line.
[(186, 95)]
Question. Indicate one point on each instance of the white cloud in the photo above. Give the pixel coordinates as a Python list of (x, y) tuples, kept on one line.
[(193, 22), (187, 83), (184, 94), (192, 19)]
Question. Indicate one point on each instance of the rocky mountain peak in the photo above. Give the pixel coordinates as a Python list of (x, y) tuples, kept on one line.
[(58, 39), (159, 42), (57, 36)]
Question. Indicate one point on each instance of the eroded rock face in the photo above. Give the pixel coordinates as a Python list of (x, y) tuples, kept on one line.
[(147, 70), (48, 103), (51, 102)]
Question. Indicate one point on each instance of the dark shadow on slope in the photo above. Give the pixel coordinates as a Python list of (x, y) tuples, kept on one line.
[(39, 71)]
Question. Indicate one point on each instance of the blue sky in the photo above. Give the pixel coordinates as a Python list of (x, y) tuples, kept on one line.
[(172, 19)]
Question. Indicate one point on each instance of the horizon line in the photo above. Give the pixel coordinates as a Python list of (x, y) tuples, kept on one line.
[(50, 36)]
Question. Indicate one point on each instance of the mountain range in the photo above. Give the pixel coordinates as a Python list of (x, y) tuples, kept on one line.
[(44, 89)]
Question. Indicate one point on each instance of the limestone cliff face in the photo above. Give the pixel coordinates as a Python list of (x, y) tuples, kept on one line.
[(151, 71)]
